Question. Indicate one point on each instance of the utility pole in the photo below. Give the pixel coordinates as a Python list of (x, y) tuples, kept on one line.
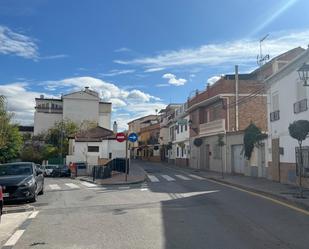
[(236, 97), (126, 175)]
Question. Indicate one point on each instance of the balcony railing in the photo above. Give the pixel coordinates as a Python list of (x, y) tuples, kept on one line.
[(212, 127)]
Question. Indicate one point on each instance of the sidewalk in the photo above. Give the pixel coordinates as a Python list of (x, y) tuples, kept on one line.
[(284, 192), (136, 175)]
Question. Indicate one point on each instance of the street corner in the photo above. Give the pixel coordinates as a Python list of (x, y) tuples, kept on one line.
[(18, 208)]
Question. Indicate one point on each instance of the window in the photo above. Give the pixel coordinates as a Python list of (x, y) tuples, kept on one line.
[(181, 151), (274, 116), (177, 151), (275, 102), (93, 148), (300, 106), (181, 128), (110, 155), (301, 91), (186, 127)]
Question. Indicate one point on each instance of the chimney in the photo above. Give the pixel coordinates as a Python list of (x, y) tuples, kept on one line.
[(41, 96), (86, 88), (115, 127)]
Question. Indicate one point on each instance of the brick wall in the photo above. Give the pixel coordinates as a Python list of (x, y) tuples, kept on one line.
[(253, 109)]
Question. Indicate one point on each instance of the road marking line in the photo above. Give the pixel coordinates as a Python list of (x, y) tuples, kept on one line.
[(197, 177), (72, 185), (88, 184), (124, 187), (54, 186), (168, 178), (144, 189), (14, 238), (153, 178), (33, 215), (263, 196), (183, 177)]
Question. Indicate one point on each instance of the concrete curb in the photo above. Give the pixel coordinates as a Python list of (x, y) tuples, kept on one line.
[(268, 194), (10, 210)]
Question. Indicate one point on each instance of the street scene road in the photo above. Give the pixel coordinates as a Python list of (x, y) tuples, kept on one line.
[(172, 209)]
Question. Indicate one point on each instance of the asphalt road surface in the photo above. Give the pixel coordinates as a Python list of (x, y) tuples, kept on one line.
[(173, 209)]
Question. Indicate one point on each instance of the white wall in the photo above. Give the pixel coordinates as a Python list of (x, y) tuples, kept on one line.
[(80, 151), (105, 120), (288, 95), (44, 121), (79, 110)]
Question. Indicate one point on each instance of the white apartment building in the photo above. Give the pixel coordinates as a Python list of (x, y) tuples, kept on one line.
[(287, 102), (181, 144), (84, 105)]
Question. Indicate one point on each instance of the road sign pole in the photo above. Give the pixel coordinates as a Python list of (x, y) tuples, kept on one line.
[(126, 175)]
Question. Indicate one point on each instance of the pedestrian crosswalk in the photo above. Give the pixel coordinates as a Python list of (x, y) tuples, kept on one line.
[(70, 186), (172, 178)]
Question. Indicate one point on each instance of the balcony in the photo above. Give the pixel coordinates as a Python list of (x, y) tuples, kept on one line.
[(48, 110), (212, 127)]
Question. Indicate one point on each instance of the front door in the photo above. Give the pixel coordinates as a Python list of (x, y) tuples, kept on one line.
[(204, 156), (275, 159), (238, 159)]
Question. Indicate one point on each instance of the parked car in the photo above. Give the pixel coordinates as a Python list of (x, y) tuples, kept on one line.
[(50, 168), (42, 167), (62, 170), (21, 181)]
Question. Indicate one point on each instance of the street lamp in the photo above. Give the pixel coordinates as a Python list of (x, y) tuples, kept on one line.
[(303, 73)]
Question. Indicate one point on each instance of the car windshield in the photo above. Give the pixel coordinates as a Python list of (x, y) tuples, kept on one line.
[(15, 169)]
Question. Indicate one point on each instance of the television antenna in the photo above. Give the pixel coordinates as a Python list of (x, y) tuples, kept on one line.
[(261, 59)]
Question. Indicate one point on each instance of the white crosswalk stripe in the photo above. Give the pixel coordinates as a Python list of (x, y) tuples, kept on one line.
[(54, 186), (168, 178), (183, 177), (88, 184), (197, 177), (72, 185), (152, 178)]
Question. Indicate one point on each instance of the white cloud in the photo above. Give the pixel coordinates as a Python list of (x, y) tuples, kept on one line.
[(21, 101), (173, 80), (17, 44), (242, 51), (162, 85), (155, 69), (115, 72), (124, 49), (56, 56), (213, 79)]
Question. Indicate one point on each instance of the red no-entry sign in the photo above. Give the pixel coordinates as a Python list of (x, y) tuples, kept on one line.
[(120, 137)]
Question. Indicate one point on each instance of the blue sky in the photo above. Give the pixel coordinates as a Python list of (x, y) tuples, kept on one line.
[(140, 55)]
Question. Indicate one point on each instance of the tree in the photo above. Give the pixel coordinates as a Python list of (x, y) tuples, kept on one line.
[(10, 138), (221, 143), (252, 137), (57, 135), (299, 130), (12, 146)]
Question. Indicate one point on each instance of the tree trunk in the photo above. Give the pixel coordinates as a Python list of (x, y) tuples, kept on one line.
[(300, 170)]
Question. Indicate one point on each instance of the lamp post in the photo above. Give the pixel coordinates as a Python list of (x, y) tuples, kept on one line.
[(303, 73)]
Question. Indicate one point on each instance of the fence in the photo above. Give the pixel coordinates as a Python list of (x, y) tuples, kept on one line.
[(105, 171)]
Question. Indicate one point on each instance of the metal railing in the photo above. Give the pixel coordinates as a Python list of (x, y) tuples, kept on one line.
[(105, 171)]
